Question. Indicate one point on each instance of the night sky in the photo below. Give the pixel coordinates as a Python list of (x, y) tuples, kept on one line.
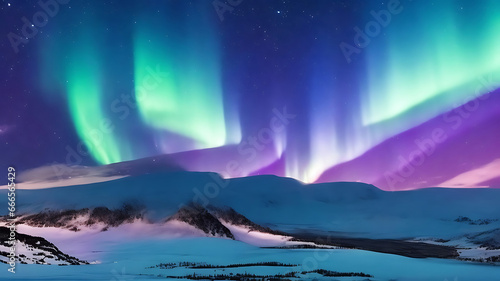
[(400, 94)]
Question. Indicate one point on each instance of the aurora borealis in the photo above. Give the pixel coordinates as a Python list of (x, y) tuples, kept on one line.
[(140, 79), (185, 100)]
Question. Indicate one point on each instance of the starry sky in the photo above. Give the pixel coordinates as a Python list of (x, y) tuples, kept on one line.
[(400, 94)]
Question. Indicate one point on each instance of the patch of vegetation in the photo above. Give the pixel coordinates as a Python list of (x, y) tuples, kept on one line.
[(202, 265), (272, 263), (442, 240), (492, 259), (249, 276), (281, 277), (474, 222), (237, 276), (329, 273)]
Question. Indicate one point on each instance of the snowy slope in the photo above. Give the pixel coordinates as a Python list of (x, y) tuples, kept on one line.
[(34, 250), (352, 209)]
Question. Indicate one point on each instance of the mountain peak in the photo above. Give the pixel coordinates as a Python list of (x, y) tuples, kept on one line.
[(199, 217)]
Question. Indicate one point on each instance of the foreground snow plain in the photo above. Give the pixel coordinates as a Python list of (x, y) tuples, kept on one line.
[(129, 261)]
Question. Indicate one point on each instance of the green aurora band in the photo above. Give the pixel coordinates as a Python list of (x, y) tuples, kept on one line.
[(85, 100), (430, 55), (186, 99)]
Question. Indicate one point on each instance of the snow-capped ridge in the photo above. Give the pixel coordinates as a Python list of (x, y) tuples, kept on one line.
[(76, 220), (34, 250), (201, 218)]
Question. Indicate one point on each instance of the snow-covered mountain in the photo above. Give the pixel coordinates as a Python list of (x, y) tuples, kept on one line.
[(488, 239), (34, 250), (202, 219), (351, 209), (100, 218), (191, 221), (95, 222)]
